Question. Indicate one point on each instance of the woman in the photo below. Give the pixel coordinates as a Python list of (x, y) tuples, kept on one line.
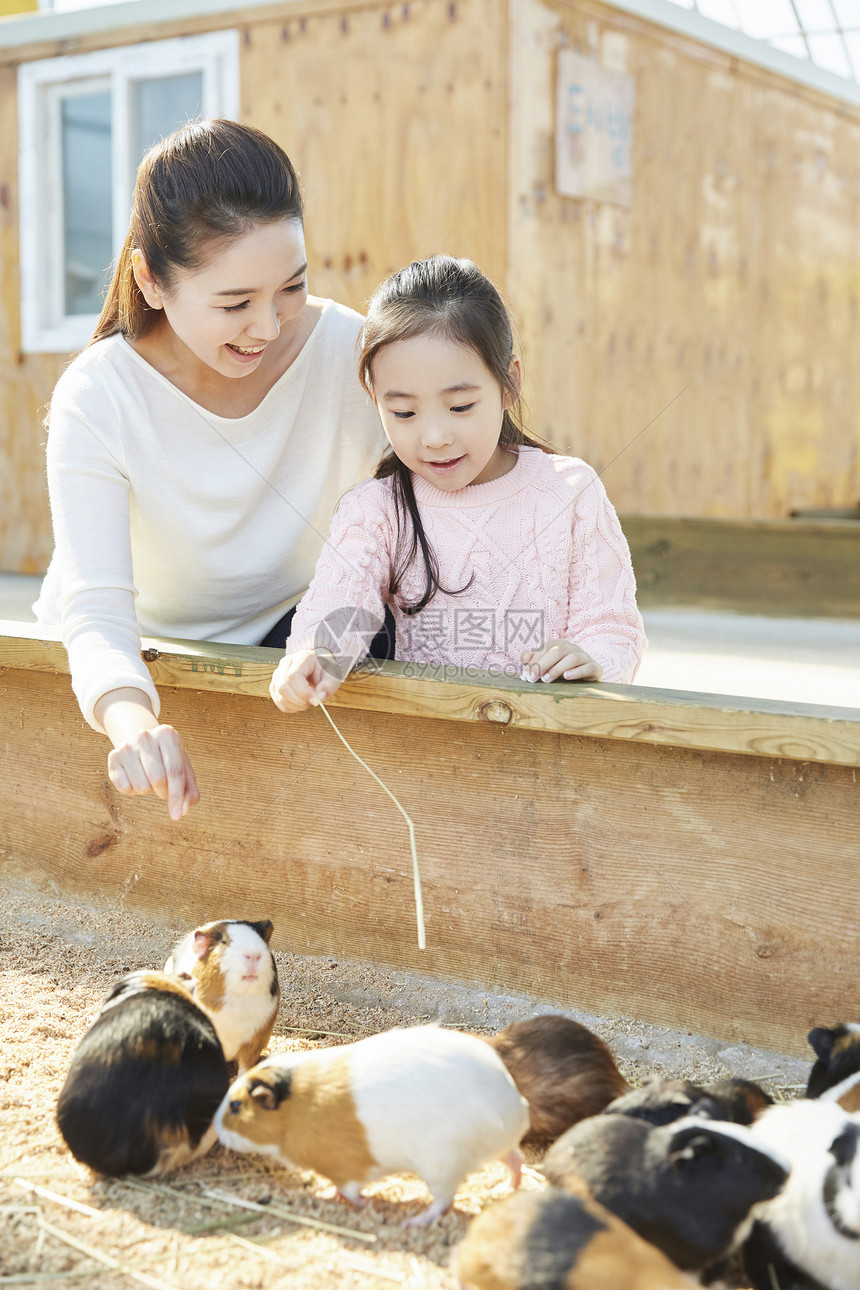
[(199, 444)]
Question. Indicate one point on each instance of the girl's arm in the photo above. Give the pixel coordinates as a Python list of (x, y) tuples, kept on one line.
[(603, 620), (345, 604)]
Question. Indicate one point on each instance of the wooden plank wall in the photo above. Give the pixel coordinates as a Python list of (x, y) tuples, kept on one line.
[(784, 568), (429, 125), (737, 268), (709, 891)]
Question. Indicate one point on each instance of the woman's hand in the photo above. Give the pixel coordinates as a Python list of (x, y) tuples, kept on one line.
[(148, 757), (560, 661), (301, 681)]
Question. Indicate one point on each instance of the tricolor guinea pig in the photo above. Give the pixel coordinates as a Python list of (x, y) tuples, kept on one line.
[(231, 973), (550, 1240), (835, 1077), (564, 1072), (808, 1237), (144, 1082), (422, 1100), (687, 1187), (662, 1101)]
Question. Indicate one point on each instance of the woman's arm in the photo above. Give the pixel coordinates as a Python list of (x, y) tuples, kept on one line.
[(93, 580), (147, 757)]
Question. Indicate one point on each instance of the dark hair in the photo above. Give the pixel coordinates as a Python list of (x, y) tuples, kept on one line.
[(452, 298), (208, 180)]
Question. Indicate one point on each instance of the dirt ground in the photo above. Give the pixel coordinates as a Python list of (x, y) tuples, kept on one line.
[(57, 962)]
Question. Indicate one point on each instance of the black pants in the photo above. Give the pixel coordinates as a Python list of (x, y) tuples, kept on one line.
[(381, 647)]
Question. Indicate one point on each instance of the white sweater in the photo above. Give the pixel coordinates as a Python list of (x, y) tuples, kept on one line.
[(210, 523)]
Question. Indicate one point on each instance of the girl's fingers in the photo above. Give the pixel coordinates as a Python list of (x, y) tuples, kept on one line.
[(542, 663), (557, 671), (589, 671)]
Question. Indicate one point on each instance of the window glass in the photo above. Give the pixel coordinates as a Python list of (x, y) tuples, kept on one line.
[(85, 125), (160, 105)]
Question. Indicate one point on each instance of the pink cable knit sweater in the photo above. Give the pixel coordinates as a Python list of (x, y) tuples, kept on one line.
[(543, 549)]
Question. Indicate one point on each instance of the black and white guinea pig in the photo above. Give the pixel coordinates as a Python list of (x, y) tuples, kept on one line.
[(231, 973), (808, 1237), (835, 1077), (564, 1072), (425, 1100), (144, 1081), (687, 1187), (555, 1241), (662, 1101)]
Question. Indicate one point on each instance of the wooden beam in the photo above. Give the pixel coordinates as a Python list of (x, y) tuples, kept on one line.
[(681, 719), (791, 568), (702, 890)]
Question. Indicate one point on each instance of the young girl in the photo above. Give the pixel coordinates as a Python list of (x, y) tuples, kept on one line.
[(199, 444), (492, 551)]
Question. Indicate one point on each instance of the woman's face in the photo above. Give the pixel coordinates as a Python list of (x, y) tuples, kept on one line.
[(230, 310)]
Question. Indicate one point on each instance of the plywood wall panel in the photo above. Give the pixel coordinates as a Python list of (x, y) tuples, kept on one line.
[(805, 402), (395, 118), (735, 268)]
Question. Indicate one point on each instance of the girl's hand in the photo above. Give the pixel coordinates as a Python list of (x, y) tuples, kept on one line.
[(561, 660), (300, 681), (154, 761)]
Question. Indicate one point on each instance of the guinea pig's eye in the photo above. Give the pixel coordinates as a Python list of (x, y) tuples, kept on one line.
[(235, 1107)]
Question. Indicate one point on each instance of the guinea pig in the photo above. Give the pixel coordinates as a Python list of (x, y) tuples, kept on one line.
[(687, 1187), (145, 1081), (433, 1102), (835, 1077), (661, 1101), (564, 1072), (231, 973), (740, 1100), (555, 1241), (808, 1237)]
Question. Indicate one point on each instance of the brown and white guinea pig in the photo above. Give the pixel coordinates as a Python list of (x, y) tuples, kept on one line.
[(687, 1187), (145, 1081), (555, 1241), (808, 1237), (662, 1101), (425, 1100), (835, 1077), (231, 973), (564, 1072)]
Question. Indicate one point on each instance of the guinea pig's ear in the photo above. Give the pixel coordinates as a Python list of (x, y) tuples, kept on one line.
[(264, 929), (689, 1144), (822, 1042), (269, 1094), (203, 942), (843, 1148), (707, 1109)]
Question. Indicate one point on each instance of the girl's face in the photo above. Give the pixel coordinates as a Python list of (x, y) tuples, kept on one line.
[(230, 311), (442, 410)]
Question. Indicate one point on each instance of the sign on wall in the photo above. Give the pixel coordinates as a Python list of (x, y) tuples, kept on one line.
[(594, 131)]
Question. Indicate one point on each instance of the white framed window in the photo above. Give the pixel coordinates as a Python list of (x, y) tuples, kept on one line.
[(85, 121)]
